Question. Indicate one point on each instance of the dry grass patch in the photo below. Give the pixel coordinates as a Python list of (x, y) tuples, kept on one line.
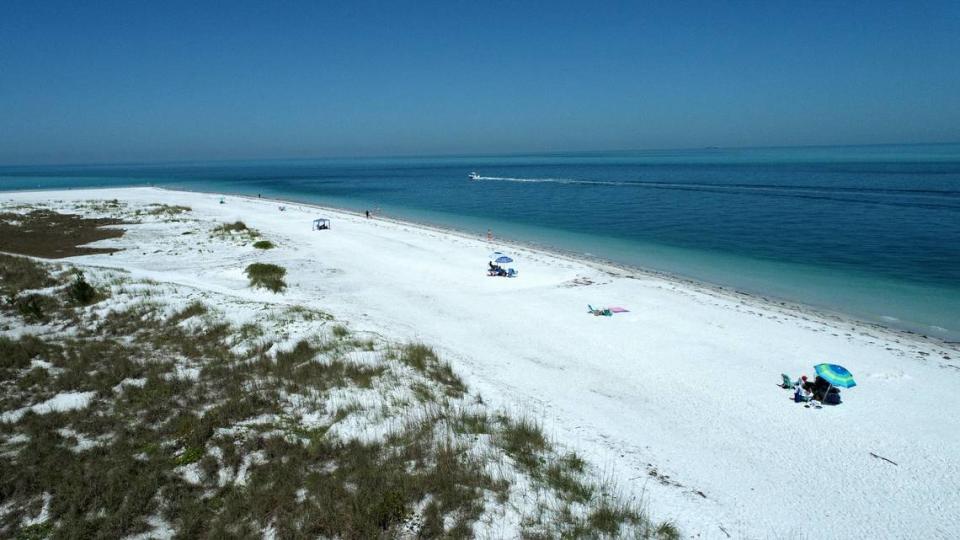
[(48, 234)]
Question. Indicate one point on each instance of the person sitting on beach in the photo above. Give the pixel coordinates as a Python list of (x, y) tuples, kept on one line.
[(800, 394), (820, 387)]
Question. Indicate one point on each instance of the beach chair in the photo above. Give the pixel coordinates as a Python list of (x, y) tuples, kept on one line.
[(511, 273), (605, 312), (787, 383)]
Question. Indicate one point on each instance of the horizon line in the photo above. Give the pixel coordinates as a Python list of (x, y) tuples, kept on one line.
[(161, 163)]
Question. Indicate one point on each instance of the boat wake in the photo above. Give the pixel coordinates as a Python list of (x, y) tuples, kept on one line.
[(552, 181)]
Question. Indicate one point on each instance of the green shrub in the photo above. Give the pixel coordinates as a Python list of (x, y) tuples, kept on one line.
[(263, 244), (80, 291), (190, 455), (268, 276)]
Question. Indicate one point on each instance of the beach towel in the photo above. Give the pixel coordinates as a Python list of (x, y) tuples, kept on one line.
[(618, 309)]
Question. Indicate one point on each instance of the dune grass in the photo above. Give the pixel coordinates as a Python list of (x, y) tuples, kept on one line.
[(21, 273), (237, 231), (267, 276), (210, 437)]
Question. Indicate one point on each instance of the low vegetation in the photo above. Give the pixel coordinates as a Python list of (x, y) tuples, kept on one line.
[(81, 292), (20, 273), (167, 210), (263, 244), (282, 424), (52, 235), (267, 276), (39, 293), (237, 231)]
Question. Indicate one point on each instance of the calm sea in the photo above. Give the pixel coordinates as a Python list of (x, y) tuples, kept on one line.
[(870, 231)]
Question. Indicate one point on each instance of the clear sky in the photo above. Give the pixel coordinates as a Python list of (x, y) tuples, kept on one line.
[(157, 81)]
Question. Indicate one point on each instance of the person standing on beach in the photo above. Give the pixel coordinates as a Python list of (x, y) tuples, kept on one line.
[(489, 235), (368, 213)]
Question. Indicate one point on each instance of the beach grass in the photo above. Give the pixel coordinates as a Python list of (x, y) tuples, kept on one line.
[(167, 210), (267, 276), (213, 428)]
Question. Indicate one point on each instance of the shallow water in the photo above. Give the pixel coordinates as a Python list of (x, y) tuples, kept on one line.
[(869, 231)]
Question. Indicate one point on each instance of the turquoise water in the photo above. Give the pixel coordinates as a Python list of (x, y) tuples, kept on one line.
[(873, 232)]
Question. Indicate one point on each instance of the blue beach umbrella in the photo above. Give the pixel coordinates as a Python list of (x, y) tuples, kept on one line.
[(503, 259), (835, 375)]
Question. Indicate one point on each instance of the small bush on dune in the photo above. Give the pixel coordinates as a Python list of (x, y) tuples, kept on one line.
[(236, 226), (80, 291), (268, 276), (168, 210), (263, 244)]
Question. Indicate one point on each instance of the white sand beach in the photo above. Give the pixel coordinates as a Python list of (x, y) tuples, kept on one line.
[(676, 398)]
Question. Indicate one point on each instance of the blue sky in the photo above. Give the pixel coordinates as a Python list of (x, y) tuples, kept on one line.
[(158, 81)]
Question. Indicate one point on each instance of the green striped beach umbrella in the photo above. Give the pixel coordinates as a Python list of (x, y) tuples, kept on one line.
[(835, 375)]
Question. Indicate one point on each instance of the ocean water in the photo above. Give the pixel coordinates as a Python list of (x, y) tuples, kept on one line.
[(872, 231)]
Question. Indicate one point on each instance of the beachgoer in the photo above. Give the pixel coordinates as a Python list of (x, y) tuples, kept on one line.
[(368, 214), (800, 395), (489, 235), (820, 387), (807, 385)]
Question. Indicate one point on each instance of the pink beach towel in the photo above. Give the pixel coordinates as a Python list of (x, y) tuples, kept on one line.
[(619, 310)]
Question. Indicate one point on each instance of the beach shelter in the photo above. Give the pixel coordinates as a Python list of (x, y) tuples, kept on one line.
[(321, 224), (835, 375), (500, 257)]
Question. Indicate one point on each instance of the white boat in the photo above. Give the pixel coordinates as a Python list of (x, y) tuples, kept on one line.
[(473, 176)]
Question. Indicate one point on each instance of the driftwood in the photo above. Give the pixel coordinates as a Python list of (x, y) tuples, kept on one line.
[(883, 458)]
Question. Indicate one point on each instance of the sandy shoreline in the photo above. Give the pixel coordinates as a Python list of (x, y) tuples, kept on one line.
[(677, 398), (622, 270)]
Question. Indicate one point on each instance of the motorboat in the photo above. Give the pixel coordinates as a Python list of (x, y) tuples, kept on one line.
[(473, 176)]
